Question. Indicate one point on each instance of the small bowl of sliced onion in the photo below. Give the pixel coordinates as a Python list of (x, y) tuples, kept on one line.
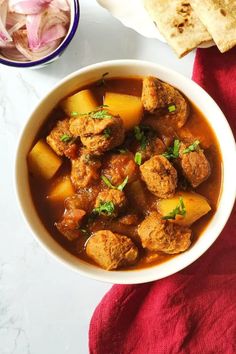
[(36, 32)]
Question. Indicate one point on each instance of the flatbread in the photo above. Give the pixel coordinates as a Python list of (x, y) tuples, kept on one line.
[(219, 17), (178, 23)]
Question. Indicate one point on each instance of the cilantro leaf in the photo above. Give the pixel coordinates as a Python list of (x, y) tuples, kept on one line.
[(138, 133), (84, 231), (178, 210), (122, 151), (102, 114), (65, 138), (107, 133), (171, 108), (140, 136), (102, 81), (123, 184), (103, 105), (120, 187), (107, 182), (104, 208), (98, 113), (138, 158), (192, 147), (173, 151), (73, 114)]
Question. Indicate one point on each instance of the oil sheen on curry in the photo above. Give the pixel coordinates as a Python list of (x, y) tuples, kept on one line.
[(125, 173)]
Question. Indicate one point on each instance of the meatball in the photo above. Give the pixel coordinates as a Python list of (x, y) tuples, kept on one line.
[(155, 146), (157, 95), (117, 167), (160, 176), (83, 199), (70, 222), (157, 234), (60, 140), (85, 171), (152, 95), (195, 166), (111, 250), (116, 197), (99, 134)]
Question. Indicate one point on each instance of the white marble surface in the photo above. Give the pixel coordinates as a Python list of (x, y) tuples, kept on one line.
[(44, 307)]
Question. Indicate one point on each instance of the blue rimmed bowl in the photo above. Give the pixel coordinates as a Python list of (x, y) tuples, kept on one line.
[(74, 21)]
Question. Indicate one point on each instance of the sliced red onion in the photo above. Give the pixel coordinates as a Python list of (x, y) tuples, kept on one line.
[(13, 18), (28, 7), (38, 24), (4, 35), (3, 11), (18, 25), (32, 29), (60, 4), (13, 54), (21, 43), (7, 44), (53, 33)]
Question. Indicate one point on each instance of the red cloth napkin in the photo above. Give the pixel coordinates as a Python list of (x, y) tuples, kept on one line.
[(193, 311)]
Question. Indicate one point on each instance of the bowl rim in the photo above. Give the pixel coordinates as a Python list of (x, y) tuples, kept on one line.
[(100, 274), (57, 52)]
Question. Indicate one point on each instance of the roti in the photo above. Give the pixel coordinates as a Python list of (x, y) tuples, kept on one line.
[(178, 23), (219, 17)]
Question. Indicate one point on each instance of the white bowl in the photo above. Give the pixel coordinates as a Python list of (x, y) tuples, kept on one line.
[(214, 116)]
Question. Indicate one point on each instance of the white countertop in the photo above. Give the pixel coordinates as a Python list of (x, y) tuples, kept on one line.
[(44, 307)]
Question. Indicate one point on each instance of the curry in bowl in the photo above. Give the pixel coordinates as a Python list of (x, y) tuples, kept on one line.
[(125, 173)]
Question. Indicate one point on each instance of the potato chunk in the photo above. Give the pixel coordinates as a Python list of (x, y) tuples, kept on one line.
[(42, 160), (81, 102), (61, 190), (129, 108), (195, 204)]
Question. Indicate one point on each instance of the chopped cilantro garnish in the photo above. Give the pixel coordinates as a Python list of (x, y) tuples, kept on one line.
[(173, 151), (122, 151), (179, 210), (102, 81), (87, 158), (73, 114), (138, 133), (138, 158), (104, 208), (84, 231), (65, 138), (103, 105), (140, 136), (172, 108), (123, 184), (120, 187), (100, 114), (192, 147), (107, 182), (107, 133)]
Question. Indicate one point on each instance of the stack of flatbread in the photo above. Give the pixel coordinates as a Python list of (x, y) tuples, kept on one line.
[(188, 24)]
